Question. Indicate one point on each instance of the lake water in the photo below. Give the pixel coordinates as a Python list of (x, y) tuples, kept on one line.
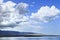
[(30, 38)]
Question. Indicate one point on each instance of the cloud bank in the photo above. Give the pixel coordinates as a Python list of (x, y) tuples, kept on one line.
[(12, 16)]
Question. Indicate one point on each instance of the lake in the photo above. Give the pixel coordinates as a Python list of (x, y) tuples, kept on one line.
[(30, 38)]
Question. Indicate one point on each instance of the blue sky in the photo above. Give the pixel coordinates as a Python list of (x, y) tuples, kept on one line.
[(48, 26), (38, 3)]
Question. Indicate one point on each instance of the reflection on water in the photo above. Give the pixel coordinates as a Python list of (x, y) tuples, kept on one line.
[(29, 38)]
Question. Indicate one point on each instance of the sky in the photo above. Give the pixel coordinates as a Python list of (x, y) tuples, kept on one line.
[(39, 16)]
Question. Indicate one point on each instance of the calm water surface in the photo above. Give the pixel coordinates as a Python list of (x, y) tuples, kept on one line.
[(30, 38)]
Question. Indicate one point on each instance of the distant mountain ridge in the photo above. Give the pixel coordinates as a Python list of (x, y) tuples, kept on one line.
[(19, 34), (14, 33)]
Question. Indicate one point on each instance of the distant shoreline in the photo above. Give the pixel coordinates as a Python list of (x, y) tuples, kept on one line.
[(29, 35)]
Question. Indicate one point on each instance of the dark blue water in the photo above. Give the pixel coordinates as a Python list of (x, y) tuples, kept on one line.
[(30, 38)]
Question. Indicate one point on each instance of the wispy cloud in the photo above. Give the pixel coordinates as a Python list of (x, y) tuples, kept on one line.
[(1, 1)]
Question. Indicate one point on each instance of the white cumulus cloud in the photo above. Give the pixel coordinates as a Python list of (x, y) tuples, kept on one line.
[(22, 7), (11, 14), (46, 13)]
